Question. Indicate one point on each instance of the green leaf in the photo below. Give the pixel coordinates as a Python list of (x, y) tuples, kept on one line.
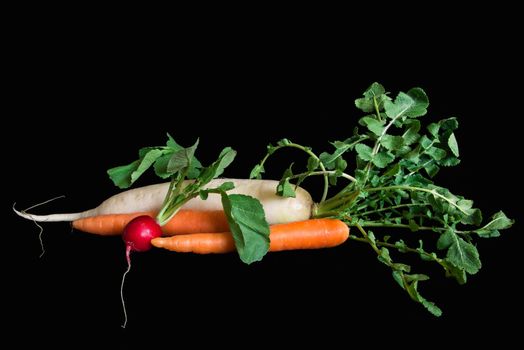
[(430, 306), (329, 159), (161, 165), (425, 142), (433, 129), (194, 169), (449, 161), (453, 145), (312, 163), (224, 187), (436, 153), (397, 276), (371, 237), (216, 169), (445, 240), (449, 124), (382, 159), (464, 255), (285, 188), (271, 149), (149, 158), (171, 143), (416, 277), (392, 143), (413, 225), (366, 103), (413, 104), (373, 125), (384, 257), (225, 158), (125, 176), (401, 267), (452, 271), (121, 175), (248, 225), (364, 151), (473, 217), (431, 169), (393, 170), (162, 162), (498, 221), (340, 165), (181, 159), (257, 172), (284, 142), (420, 104), (411, 135), (374, 90), (410, 284), (401, 246)]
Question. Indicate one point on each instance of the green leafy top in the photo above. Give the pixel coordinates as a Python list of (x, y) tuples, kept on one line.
[(395, 162), (250, 230)]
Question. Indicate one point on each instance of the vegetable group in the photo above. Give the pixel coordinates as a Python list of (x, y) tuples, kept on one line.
[(388, 185)]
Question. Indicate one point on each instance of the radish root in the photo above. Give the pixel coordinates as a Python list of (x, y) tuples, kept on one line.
[(128, 258), (24, 212)]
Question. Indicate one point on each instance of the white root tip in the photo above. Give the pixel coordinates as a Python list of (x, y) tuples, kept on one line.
[(52, 217)]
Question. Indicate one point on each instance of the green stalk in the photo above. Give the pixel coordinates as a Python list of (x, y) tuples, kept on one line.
[(311, 154), (414, 188), (407, 249)]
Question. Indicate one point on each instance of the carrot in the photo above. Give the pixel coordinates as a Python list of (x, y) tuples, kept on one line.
[(308, 234), (184, 222)]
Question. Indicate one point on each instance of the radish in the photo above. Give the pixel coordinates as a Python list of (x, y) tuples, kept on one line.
[(278, 209), (137, 236)]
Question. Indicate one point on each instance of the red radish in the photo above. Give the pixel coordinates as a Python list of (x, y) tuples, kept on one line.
[(139, 232), (137, 235)]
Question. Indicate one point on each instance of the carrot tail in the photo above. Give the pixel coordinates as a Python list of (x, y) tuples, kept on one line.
[(200, 243), (184, 222), (309, 234)]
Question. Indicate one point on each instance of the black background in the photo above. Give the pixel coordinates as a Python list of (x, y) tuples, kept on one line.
[(81, 102)]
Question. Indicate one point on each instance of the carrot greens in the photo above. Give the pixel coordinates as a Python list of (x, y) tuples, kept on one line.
[(394, 161)]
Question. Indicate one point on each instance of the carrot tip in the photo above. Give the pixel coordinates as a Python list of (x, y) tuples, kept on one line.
[(157, 242)]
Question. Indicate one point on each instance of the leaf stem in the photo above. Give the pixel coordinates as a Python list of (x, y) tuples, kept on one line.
[(311, 154), (367, 239), (324, 172), (381, 224), (413, 188), (377, 110), (376, 148), (391, 208), (405, 248)]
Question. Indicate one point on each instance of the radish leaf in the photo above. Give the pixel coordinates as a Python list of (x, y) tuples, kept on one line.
[(248, 225)]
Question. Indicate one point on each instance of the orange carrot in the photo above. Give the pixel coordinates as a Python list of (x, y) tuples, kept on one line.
[(309, 234), (184, 222)]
